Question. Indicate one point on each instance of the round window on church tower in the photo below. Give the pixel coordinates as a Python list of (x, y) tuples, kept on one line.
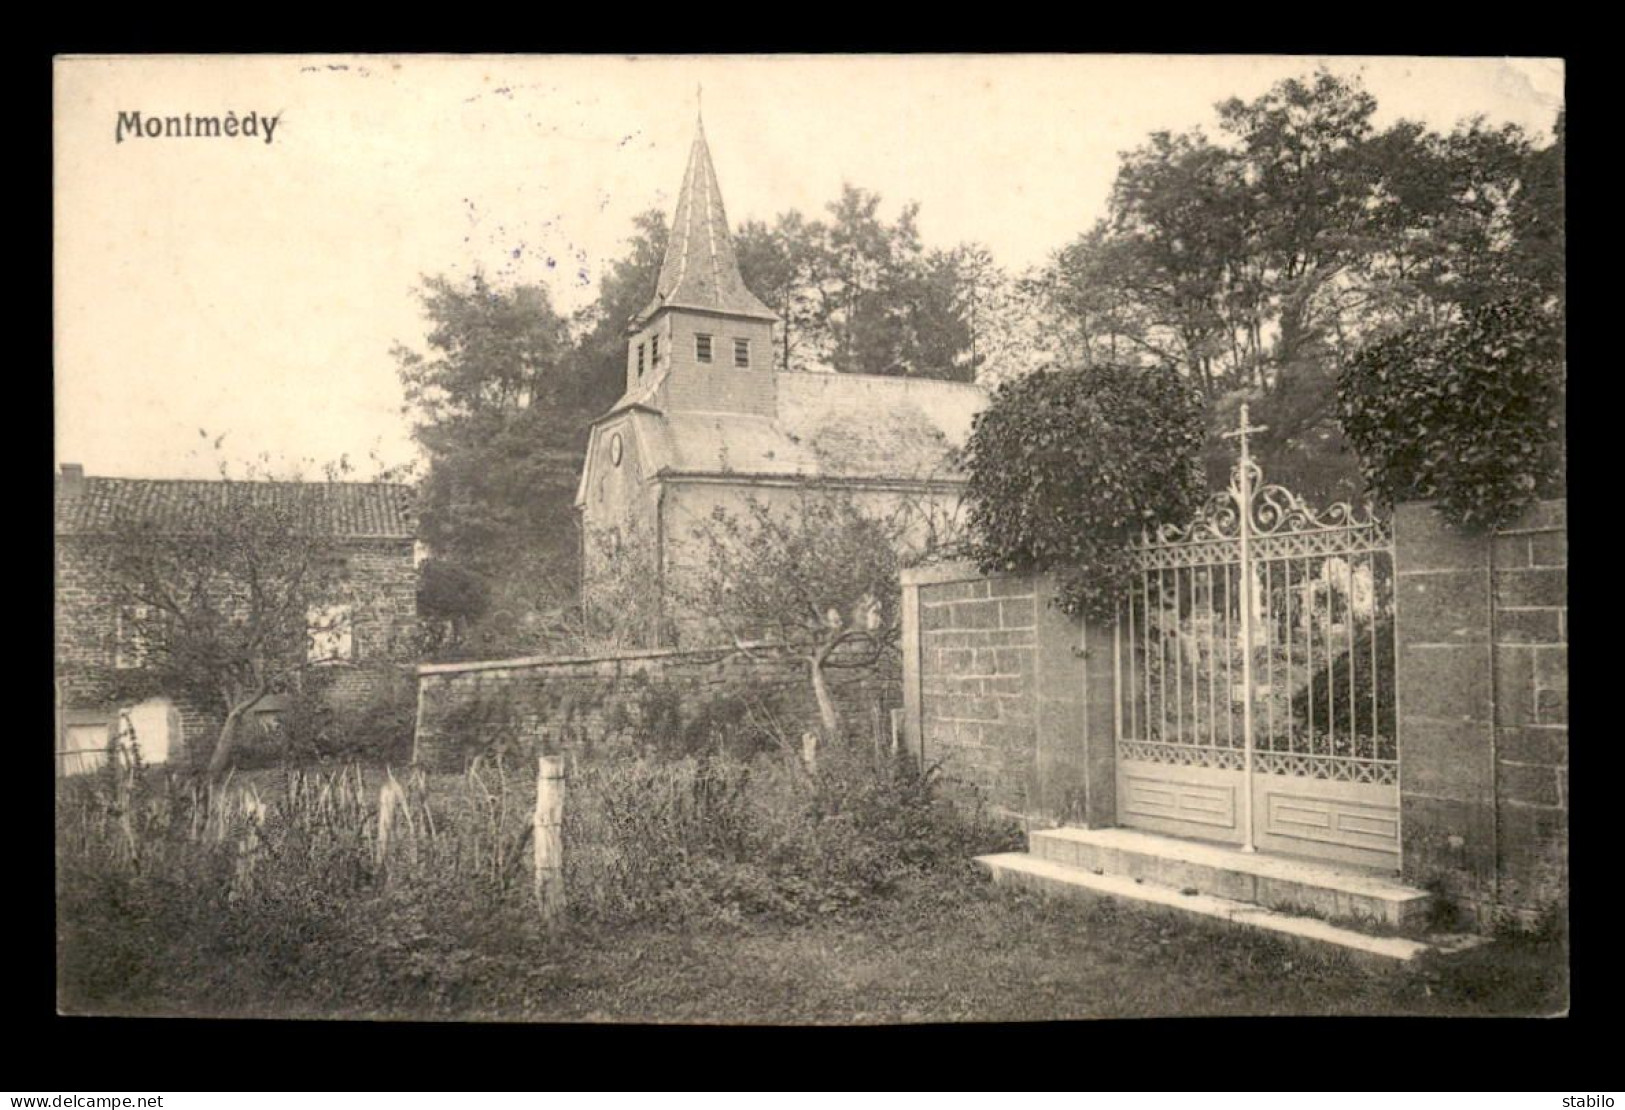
[(615, 448)]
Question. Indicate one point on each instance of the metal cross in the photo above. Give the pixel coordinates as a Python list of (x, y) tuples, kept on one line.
[(1246, 429)]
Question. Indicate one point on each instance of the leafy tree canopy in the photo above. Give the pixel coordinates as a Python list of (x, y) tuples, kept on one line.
[(1066, 467), (1257, 257), (1469, 414)]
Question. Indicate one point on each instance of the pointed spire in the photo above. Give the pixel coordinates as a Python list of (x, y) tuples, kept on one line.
[(700, 269)]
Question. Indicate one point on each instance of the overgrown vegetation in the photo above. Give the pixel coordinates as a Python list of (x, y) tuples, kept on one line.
[(1469, 414), (1067, 467), (373, 726), (272, 896), (402, 890)]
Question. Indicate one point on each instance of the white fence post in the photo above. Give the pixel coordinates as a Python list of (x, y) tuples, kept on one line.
[(548, 837)]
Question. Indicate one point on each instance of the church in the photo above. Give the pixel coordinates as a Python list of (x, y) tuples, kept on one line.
[(705, 421)]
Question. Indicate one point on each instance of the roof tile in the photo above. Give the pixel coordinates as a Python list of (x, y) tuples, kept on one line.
[(373, 510)]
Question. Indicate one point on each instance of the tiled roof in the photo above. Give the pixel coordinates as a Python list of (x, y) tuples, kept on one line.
[(828, 426), (700, 269), (355, 510)]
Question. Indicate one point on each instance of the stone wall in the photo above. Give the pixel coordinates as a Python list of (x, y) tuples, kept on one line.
[(577, 703), (1483, 703), (1008, 694)]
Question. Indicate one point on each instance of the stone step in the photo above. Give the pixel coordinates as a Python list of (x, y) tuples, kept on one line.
[(1048, 877), (1339, 892)]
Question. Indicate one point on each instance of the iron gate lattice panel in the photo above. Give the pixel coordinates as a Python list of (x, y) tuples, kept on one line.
[(1255, 655)]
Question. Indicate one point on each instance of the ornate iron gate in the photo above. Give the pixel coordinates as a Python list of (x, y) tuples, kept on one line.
[(1255, 677)]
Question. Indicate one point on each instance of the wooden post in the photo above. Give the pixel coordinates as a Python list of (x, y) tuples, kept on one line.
[(548, 837), (897, 716)]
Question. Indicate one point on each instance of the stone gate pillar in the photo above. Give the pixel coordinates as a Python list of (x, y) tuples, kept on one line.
[(1482, 699)]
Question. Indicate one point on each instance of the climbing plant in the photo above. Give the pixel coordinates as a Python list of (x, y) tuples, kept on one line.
[(1468, 415), (1067, 467)]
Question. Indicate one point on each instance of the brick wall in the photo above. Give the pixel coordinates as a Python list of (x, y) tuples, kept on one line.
[(1483, 704), (1008, 694), (576, 703)]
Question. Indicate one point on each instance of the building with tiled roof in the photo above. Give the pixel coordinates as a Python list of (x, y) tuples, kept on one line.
[(371, 530), (706, 422)]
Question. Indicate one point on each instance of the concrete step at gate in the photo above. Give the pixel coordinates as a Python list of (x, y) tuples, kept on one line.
[(1299, 900), (1275, 882)]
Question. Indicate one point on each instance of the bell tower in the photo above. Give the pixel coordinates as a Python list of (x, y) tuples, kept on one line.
[(705, 342)]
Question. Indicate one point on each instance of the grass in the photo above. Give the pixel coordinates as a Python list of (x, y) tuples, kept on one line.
[(977, 955), (931, 943)]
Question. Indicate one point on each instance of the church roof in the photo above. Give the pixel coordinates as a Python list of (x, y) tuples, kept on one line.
[(700, 269), (829, 427)]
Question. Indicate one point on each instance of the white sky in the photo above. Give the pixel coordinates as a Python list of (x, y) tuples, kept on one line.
[(256, 289)]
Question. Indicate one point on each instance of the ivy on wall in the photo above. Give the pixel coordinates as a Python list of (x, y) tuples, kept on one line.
[(1469, 416), (1066, 467)]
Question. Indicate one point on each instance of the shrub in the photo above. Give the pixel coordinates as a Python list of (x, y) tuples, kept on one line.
[(1468, 415), (378, 727), (1066, 467)]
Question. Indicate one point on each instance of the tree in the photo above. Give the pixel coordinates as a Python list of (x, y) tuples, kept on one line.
[(1065, 468), (817, 583), (779, 264), (1257, 260), (239, 603), (502, 394), (858, 295), (627, 287)]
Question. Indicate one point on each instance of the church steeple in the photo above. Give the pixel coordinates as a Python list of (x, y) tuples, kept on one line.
[(700, 270), (705, 342)]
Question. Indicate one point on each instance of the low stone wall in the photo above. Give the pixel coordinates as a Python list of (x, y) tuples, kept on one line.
[(552, 704)]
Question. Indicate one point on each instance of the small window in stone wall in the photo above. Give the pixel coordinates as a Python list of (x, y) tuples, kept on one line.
[(331, 634), (742, 353), (702, 348), (640, 360), (654, 352)]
